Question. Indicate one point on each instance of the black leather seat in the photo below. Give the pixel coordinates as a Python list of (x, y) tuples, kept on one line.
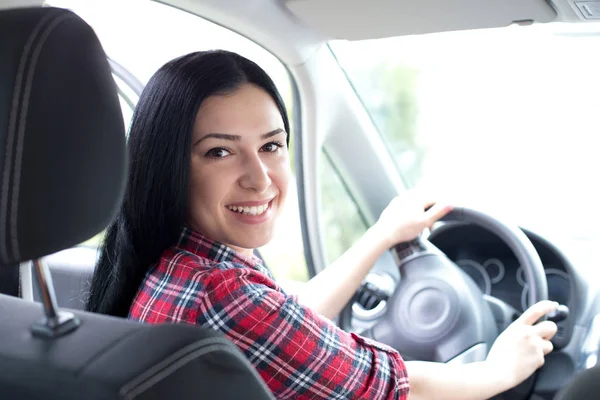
[(10, 281), (62, 166), (584, 386)]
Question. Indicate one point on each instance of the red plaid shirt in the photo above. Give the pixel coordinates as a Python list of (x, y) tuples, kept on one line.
[(298, 353)]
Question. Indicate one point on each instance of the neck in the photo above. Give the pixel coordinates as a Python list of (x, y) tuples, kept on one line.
[(245, 252), (239, 250)]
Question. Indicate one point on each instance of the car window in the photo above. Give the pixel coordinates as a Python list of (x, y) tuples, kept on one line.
[(342, 223), (127, 99), (500, 119), (128, 32), (127, 111)]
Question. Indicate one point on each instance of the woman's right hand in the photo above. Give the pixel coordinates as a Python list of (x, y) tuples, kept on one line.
[(521, 349), (405, 217)]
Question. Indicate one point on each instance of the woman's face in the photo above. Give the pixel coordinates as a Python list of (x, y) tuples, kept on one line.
[(240, 168)]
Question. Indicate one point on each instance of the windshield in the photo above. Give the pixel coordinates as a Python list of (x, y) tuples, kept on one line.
[(505, 120)]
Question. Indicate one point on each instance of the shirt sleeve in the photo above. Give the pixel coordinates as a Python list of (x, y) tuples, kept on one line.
[(298, 353)]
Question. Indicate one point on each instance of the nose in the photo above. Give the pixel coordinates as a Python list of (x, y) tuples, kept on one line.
[(256, 174)]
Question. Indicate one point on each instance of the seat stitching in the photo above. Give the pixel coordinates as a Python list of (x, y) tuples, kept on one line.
[(165, 362), (171, 369), (11, 131), (171, 364), (23, 122)]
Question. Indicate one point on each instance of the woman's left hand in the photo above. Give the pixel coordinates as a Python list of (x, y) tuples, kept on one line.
[(405, 217), (522, 347)]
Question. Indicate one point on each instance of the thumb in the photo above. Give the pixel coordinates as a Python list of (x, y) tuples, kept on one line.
[(436, 212)]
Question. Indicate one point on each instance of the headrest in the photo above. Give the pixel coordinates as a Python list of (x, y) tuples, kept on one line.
[(62, 140)]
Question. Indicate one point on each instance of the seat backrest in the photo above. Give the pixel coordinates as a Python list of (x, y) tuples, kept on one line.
[(62, 169), (112, 358), (72, 272)]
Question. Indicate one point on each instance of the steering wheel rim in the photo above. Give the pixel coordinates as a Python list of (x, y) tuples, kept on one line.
[(517, 241), (419, 256)]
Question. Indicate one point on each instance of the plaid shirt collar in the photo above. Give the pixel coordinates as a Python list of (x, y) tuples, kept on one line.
[(198, 244)]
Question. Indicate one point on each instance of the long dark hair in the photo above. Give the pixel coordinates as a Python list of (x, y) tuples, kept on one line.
[(155, 206)]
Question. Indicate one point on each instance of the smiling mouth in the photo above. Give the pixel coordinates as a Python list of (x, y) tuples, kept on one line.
[(252, 211)]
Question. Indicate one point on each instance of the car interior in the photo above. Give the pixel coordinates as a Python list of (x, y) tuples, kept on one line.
[(493, 103)]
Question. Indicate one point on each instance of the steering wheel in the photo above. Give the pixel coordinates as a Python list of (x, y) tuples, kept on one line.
[(437, 313)]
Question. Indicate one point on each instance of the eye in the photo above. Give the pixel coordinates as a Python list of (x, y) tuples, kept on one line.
[(272, 147), (217, 152)]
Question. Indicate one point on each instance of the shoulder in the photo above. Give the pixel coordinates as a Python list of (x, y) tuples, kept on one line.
[(172, 288), (230, 278), (183, 259), (182, 271)]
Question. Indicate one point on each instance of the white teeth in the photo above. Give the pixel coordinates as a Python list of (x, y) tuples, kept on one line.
[(254, 210)]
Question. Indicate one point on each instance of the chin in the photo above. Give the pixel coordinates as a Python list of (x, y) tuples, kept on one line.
[(251, 244), (251, 241)]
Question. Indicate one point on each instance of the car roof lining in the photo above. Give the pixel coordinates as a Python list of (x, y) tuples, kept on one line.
[(266, 22), (295, 29)]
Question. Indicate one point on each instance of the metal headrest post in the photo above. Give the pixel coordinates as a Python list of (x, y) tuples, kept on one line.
[(56, 323)]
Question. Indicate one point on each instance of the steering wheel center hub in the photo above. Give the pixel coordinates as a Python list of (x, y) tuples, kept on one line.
[(429, 309)]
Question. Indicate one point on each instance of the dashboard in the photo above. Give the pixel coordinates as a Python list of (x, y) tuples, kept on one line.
[(495, 269)]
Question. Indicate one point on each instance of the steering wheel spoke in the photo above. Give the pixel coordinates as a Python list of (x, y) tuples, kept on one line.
[(435, 314), (504, 314)]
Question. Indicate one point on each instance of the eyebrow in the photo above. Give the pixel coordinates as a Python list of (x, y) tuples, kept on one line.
[(237, 138)]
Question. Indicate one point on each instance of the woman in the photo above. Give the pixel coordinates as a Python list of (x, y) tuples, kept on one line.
[(209, 171)]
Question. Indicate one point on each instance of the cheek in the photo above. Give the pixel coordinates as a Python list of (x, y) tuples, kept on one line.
[(282, 176), (197, 181), (206, 188)]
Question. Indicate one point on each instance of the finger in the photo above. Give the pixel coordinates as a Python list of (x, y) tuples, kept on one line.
[(436, 212), (547, 347), (545, 329), (537, 311)]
